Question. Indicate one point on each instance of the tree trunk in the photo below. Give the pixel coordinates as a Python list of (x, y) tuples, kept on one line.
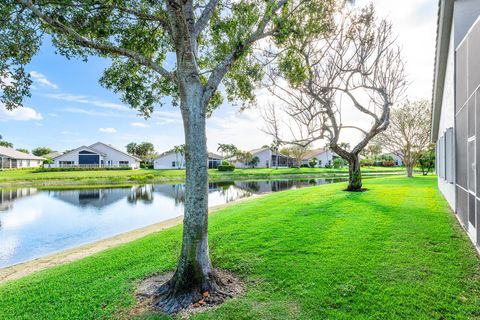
[(194, 274), (354, 174), (409, 170)]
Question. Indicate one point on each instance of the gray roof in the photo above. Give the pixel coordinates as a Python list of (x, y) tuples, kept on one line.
[(14, 154)]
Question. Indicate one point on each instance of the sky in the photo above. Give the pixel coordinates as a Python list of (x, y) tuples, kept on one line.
[(69, 108)]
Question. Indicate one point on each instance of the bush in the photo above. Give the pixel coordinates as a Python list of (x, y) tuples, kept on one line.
[(328, 166), (366, 163), (79, 169), (225, 163), (338, 163), (378, 163), (388, 163), (304, 165), (228, 167), (144, 165)]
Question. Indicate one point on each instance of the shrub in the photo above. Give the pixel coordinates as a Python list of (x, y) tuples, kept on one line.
[(223, 167), (225, 163), (388, 163), (328, 166), (366, 163), (378, 163), (338, 163), (304, 165), (79, 169)]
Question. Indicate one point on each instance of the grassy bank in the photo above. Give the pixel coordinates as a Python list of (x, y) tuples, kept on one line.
[(105, 177), (394, 252)]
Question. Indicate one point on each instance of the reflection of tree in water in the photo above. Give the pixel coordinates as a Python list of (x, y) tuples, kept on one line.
[(141, 194)]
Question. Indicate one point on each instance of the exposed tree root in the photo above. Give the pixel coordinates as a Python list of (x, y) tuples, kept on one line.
[(157, 294)]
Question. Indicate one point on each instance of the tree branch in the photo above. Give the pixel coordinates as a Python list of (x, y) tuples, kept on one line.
[(89, 43)]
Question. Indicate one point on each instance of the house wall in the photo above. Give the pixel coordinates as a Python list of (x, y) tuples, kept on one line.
[(110, 155), (447, 118), (115, 156), (323, 158), (467, 131), (265, 157), (165, 161)]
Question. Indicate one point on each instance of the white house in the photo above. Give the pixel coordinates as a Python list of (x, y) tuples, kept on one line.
[(398, 161), (172, 160), (324, 157), (456, 110), (11, 158), (97, 155), (268, 159)]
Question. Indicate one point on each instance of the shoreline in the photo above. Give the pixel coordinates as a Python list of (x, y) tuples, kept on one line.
[(66, 183), (23, 269)]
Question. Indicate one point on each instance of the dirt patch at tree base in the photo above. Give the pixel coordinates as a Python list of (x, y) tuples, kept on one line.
[(147, 290), (359, 190)]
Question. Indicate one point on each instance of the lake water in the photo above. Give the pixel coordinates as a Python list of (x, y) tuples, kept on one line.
[(36, 223)]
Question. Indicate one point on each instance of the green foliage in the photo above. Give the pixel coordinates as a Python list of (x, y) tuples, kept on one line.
[(144, 150), (339, 163), (313, 162), (7, 144), (427, 161), (223, 167), (23, 150), (41, 151), (254, 161)]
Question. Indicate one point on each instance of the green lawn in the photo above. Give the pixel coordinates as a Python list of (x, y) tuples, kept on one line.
[(12, 177), (394, 252)]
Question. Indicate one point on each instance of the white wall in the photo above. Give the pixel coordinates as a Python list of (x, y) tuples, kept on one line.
[(447, 118), (322, 158), (265, 157), (165, 161), (114, 156)]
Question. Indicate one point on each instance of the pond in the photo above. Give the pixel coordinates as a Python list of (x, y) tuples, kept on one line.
[(36, 223)]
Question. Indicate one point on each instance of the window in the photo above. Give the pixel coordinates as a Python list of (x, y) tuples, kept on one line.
[(123, 163), (173, 164), (319, 162)]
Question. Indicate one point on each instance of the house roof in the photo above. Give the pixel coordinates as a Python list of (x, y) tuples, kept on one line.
[(14, 154), (111, 147), (315, 152), (92, 149), (444, 29), (53, 154), (79, 148)]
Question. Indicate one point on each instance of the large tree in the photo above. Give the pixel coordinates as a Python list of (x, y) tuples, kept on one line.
[(355, 72), (183, 49), (408, 135)]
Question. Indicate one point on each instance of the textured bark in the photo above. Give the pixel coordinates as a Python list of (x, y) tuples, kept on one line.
[(354, 174), (194, 274), (409, 171)]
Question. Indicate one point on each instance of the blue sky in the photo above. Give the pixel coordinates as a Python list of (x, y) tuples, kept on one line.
[(69, 108)]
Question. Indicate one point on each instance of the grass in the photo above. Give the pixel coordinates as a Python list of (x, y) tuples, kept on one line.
[(394, 252), (99, 177)]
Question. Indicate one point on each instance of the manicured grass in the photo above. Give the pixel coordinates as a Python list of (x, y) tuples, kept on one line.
[(394, 252), (29, 176)]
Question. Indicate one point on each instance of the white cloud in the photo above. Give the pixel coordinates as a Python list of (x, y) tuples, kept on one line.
[(42, 80), (139, 125), (88, 100), (19, 114), (108, 130)]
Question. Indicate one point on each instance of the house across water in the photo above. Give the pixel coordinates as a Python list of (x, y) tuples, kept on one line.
[(97, 155), (12, 159)]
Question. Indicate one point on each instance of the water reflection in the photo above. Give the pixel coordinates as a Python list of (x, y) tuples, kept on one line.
[(37, 223)]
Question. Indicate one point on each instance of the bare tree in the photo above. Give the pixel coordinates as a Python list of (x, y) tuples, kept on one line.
[(408, 135), (355, 69)]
